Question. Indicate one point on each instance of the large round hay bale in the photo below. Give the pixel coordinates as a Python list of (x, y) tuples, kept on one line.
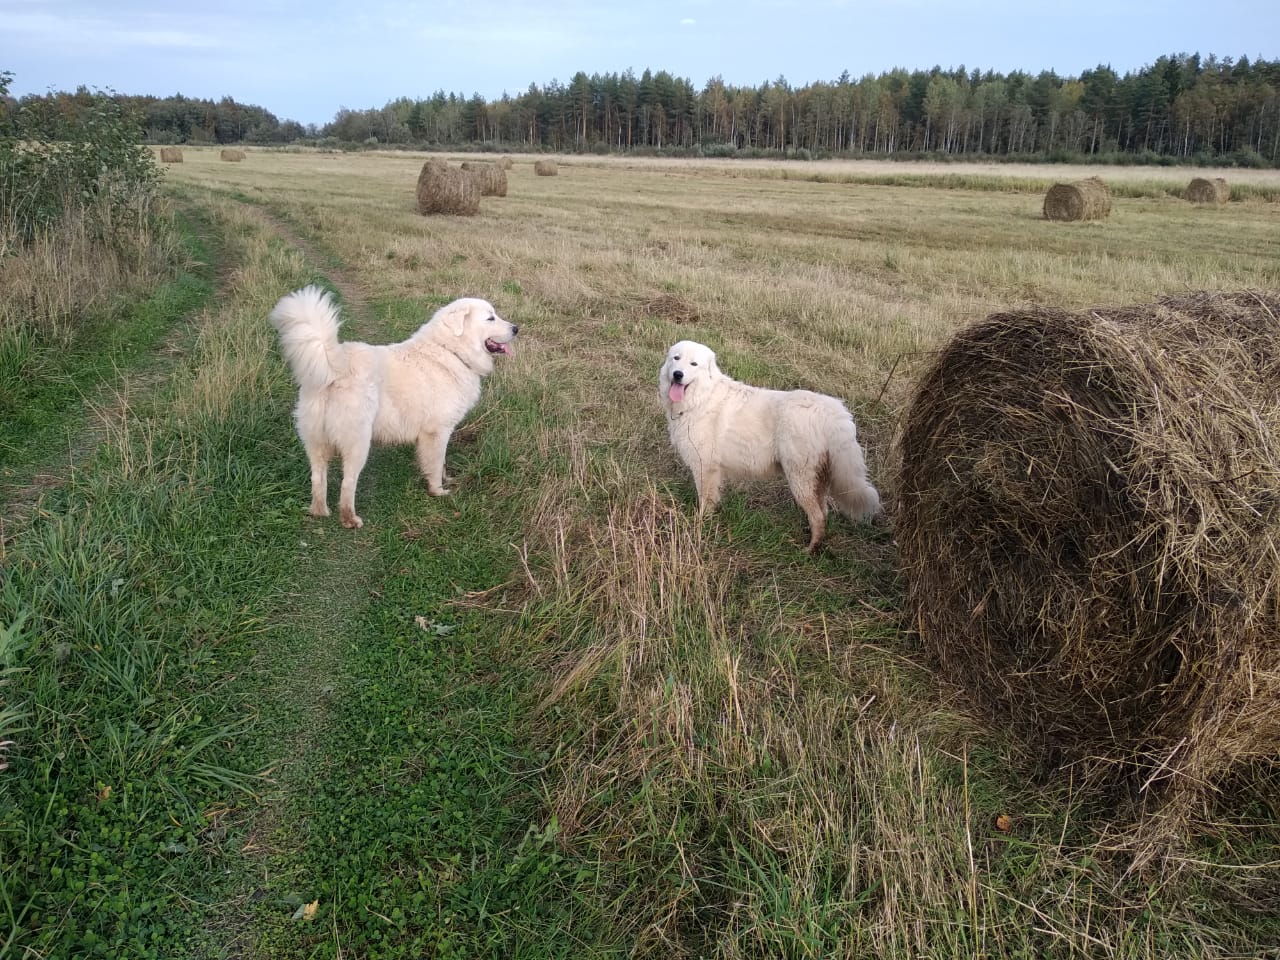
[(231, 155), (1204, 190), (170, 155), (545, 168), (446, 189), (1083, 200), (1089, 521), (506, 163)]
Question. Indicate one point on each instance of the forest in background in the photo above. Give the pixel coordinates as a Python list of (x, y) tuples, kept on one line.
[(1182, 108)]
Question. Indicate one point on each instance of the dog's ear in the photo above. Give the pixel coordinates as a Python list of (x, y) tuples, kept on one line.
[(711, 362), (455, 317)]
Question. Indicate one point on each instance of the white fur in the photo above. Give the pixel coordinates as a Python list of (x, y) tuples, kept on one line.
[(726, 431), (352, 395)]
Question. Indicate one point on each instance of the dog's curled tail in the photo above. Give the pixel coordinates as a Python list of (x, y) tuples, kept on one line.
[(307, 322), (850, 490)]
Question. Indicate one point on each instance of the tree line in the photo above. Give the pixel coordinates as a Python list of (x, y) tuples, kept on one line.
[(1181, 108)]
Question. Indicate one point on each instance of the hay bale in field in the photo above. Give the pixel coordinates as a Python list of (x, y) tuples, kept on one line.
[(1204, 190), (170, 155), (506, 163), (231, 155), (545, 168), (446, 189), (491, 177), (1083, 200), (1089, 520)]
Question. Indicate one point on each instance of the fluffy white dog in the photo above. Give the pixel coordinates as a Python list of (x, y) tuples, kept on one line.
[(725, 430), (352, 395)]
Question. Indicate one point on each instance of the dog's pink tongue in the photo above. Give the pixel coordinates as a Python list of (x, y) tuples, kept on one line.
[(676, 393), (505, 348)]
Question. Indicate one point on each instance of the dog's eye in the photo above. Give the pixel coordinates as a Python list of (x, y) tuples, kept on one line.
[(693, 363), (491, 318), (675, 358)]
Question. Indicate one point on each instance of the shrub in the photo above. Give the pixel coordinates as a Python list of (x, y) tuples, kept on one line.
[(50, 165), (79, 209)]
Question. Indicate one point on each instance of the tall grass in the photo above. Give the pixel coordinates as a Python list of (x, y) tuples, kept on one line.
[(764, 764), (96, 252)]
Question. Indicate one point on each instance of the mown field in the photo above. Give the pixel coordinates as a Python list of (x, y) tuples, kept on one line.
[(553, 715)]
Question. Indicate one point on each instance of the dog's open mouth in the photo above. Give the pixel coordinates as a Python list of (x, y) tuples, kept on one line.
[(676, 392), (493, 346)]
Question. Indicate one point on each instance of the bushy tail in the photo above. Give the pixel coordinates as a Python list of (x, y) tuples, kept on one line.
[(307, 322), (850, 491)]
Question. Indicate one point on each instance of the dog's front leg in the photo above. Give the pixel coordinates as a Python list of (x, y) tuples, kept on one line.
[(431, 450), (708, 481)]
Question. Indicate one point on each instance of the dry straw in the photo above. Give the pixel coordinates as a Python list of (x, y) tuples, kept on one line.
[(1083, 200), (170, 155), (1204, 190), (445, 189), (1089, 522), (506, 163), (545, 168), (232, 156)]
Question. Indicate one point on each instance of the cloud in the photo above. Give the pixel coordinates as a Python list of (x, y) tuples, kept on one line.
[(61, 31), (688, 22), (160, 38)]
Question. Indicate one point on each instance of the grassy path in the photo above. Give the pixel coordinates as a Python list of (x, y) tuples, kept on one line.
[(401, 805)]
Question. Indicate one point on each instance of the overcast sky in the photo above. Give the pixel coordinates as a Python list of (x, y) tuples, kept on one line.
[(304, 61)]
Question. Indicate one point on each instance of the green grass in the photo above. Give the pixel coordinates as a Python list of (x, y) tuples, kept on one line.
[(422, 831)]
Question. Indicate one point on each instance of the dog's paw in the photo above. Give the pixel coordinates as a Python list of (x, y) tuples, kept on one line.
[(351, 521), (441, 492), (318, 512)]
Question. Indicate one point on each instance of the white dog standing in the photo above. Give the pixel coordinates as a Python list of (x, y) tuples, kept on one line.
[(352, 395), (725, 430)]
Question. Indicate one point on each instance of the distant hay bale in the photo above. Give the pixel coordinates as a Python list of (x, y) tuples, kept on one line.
[(506, 163), (446, 189), (1089, 523), (1083, 200), (170, 155), (232, 156), (491, 177), (1204, 190), (545, 168)]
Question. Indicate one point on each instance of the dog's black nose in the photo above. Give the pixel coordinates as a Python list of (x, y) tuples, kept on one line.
[(677, 375), (514, 329)]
